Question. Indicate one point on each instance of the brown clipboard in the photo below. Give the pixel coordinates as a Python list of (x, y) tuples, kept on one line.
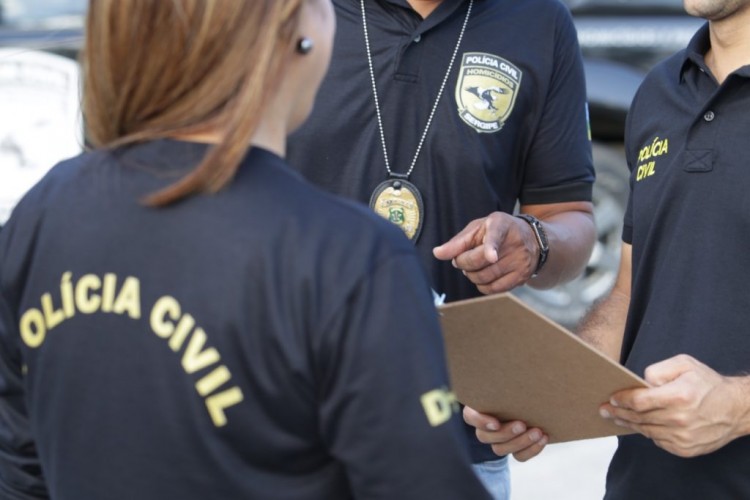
[(507, 360)]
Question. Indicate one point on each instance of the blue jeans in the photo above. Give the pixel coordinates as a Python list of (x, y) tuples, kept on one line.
[(495, 475)]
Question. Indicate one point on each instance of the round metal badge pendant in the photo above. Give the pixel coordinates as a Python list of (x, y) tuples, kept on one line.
[(400, 202)]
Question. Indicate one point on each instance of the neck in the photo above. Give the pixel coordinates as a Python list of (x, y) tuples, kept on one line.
[(424, 7), (271, 136), (730, 44)]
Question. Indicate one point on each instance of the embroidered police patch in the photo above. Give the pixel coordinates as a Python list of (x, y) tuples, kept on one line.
[(486, 90)]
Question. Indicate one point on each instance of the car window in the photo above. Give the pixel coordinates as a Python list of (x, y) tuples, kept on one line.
[(36, 14)]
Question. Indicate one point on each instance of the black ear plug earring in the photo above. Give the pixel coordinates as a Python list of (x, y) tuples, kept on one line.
[(304, 45)]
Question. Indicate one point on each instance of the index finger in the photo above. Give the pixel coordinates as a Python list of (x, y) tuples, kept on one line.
[(469, 237)]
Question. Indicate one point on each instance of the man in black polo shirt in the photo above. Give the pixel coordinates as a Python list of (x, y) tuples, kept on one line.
[(443, 115), (679, 311)]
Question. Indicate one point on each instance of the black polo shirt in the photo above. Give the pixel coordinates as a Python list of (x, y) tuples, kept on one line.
[(270, 341), (511, 124), (539, 152), (689, 223)]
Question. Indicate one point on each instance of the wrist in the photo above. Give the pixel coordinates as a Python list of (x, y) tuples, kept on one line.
[(540, 235), (741, 386)]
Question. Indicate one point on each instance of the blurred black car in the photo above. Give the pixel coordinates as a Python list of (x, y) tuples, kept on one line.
[(620, 39)]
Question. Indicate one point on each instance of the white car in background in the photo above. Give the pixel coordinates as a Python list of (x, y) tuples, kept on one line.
[(40, 119)]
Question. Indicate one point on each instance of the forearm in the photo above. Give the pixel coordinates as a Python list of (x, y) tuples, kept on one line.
[(741, 386), (571, 236), (604, 325)]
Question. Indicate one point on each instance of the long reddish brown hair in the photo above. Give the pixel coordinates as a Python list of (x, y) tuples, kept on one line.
[(164, 68)]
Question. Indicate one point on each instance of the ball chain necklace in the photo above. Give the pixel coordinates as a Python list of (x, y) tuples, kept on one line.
[(397, 199)]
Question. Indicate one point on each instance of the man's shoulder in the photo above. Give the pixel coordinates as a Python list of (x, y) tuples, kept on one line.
[(527, 18), (541, 7), (664, 75), (671, 65)]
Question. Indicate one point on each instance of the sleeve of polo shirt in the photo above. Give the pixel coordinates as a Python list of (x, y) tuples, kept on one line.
[(20, 470), (559, 166), (381, 375)]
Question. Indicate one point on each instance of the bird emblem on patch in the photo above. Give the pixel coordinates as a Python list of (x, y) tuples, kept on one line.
[(486, 91), (487, 96)]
